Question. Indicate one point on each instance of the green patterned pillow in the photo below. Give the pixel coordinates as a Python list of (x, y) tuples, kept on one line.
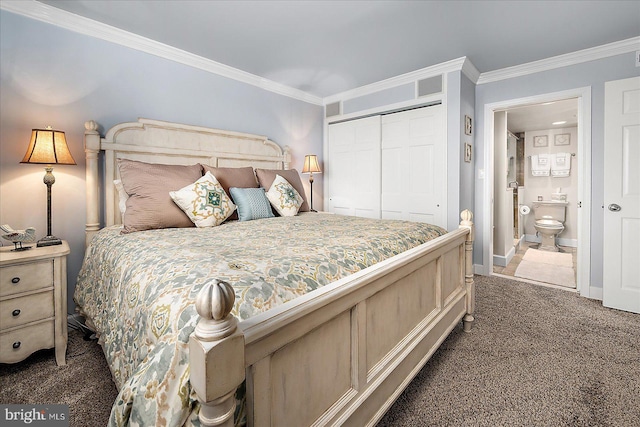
[(204, 201), (284, 198), (252, 203)]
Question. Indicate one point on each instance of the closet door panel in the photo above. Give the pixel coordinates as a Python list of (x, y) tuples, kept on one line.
[(354, 167), (414, 159), (343, 186)]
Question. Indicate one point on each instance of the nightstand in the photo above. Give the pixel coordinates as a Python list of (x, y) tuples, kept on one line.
[(33, 302)]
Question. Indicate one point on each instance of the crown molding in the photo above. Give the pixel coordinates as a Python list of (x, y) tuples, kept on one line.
[(61, 18), (573, 58), (470, 70), (410, 77)]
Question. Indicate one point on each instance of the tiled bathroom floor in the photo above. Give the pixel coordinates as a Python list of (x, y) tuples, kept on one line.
[(510, 269)]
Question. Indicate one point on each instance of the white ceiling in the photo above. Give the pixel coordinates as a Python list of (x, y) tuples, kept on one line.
[(327, 47), (542, 116)]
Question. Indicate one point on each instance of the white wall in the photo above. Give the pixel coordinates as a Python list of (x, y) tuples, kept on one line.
[(545, 185), (503, 197)]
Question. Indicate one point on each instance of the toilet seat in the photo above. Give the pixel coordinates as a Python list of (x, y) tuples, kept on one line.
[(549, 224)]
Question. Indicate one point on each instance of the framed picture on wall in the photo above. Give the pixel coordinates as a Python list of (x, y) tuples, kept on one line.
[(562, 139), (541, 141), (467, 152), (467, 125)]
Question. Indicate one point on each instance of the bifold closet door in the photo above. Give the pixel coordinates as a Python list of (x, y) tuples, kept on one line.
[(353, 168), (414, 158)]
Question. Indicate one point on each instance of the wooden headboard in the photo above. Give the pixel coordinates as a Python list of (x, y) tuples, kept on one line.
[(155, 141)]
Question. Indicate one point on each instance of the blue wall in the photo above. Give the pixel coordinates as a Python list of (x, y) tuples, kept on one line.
[(52, 76)]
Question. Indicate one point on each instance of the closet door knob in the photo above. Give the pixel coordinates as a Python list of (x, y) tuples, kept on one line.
[(614, 208)]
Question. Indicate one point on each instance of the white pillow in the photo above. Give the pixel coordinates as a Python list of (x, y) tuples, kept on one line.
[(122, 197), (205, 201), (284, 198)]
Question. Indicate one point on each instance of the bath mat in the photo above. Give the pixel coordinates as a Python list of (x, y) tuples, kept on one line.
[(546, 257), (547, 273)]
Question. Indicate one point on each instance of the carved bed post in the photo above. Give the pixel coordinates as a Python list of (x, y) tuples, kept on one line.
[(91, 149), (467, 222), (216, 355)]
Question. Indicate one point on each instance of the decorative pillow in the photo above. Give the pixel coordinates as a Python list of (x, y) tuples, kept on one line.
[(205, 201), (267, 176), (283, 197), (233, 177), (149, 205), (252, 203)]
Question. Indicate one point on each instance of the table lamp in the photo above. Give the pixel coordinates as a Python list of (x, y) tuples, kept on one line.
[(311, 166), (48, 147)]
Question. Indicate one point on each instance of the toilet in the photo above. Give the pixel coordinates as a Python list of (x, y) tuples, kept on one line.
[(549, 216)]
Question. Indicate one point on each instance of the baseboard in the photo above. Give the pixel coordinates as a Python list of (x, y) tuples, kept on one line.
[(572, 243), (503, 261), (479, 269), (595, 293)]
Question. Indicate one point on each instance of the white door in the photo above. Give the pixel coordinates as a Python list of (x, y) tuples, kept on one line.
[(621, 287), (414, 158), (353, 169)]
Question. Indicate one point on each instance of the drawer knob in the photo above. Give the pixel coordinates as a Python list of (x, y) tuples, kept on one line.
[(16, 344), (15, 280), (16, 312)]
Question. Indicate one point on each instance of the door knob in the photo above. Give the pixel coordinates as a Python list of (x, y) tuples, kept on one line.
[(614, 208)]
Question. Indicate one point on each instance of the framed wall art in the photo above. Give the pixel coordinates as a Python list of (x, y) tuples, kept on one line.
[(541, 141), (562, 139), (467, 125), (467, 152)]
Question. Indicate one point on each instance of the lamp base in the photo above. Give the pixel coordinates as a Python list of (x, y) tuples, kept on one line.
[(49, 241)]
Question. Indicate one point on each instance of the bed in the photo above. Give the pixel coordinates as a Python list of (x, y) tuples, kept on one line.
[(303, 337)]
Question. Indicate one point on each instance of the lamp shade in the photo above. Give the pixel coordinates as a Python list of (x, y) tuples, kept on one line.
[(48, 146), (311, 164)]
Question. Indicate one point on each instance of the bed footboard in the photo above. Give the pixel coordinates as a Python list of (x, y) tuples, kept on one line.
[(216, 355), (342, 355)]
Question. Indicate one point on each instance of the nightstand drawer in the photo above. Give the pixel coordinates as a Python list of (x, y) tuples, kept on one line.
[(19, 344), (25, 277), (21, 310)]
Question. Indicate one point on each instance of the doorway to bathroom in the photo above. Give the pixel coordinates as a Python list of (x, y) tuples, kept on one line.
[(539, 168)]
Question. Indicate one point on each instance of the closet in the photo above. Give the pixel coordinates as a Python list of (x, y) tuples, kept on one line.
[(390, 166)]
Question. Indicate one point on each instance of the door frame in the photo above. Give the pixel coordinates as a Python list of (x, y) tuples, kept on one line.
[(583, 96)]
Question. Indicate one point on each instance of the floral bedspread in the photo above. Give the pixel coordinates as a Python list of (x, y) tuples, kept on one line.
[(138, 289)]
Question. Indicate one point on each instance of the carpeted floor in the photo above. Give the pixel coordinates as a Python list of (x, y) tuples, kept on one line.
[(536, 357)]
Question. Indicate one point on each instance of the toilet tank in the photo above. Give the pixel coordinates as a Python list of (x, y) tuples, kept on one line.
[(550, 209)]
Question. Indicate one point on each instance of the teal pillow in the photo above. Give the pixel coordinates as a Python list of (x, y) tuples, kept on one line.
[(252, 203)]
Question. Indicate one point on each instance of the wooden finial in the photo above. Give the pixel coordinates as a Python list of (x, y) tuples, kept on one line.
[(466, 216), (214, 303), (91, 126)]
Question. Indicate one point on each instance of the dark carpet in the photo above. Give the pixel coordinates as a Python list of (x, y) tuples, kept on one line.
[(536, 357)]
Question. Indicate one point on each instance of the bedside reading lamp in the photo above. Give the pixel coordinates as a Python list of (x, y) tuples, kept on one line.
[(48, 147), (311, 166)]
